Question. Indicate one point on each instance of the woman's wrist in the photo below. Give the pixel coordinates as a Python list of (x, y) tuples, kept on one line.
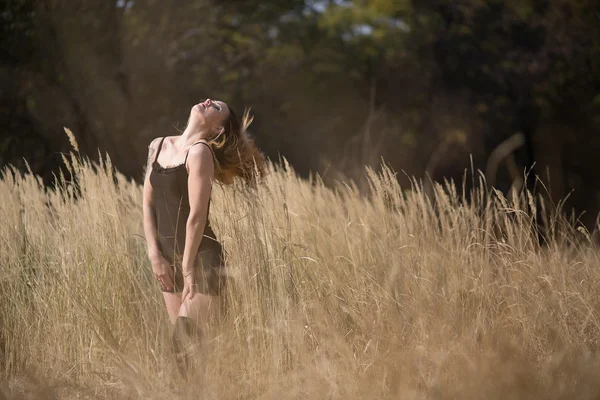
[(187, 272), (154, 254)]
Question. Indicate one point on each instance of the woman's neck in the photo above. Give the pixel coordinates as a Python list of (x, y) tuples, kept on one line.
[(191, 135)]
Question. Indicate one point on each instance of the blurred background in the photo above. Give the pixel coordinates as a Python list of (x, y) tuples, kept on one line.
[(335, 85)]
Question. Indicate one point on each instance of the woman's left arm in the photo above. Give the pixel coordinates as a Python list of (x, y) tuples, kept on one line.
[(200, 177)]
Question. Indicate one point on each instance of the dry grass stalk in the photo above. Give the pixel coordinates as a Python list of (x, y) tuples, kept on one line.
[(334, 295)]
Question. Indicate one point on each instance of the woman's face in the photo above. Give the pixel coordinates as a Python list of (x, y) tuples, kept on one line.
[(210, 113)]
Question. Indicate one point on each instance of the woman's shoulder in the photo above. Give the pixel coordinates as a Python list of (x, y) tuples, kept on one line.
[(200, 149), (200, 154), (154, 143)]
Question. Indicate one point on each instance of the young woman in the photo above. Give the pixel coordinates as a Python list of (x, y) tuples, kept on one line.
[(186, 257)]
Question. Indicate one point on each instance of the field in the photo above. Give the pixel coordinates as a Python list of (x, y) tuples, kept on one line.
[(335, 294)]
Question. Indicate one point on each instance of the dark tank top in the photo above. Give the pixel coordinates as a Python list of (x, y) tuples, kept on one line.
[(172, 208)]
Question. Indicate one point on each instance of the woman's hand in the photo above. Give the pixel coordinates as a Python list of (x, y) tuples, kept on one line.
[(189, 285), (163, 271)]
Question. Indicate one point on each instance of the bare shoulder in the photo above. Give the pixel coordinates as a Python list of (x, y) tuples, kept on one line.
[(154, 143), (200, 152), (200, 156), (152, 147)]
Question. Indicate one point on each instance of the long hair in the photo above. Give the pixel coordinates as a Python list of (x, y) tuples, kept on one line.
[(235, 152)]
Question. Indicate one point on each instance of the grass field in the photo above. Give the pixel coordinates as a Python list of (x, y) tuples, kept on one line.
[(335, 295)]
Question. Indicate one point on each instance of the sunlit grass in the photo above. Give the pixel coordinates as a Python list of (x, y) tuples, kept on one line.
[(335, 294)]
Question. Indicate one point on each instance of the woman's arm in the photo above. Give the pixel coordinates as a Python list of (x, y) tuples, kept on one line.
[(201, 173), (150, 231)]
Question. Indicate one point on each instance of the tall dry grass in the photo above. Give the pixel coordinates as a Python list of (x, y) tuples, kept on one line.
[(336, 295)]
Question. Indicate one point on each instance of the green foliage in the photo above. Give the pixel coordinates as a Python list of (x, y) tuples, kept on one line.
[(17, 31), (327, 79), (536, 53)]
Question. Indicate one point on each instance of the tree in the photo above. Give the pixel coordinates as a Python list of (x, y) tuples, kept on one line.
[(529, 67)]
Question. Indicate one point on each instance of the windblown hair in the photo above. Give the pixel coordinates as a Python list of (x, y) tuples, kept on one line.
[(235, 152)]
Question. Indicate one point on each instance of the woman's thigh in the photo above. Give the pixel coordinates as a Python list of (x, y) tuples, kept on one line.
[(202, 308), (173, 303)]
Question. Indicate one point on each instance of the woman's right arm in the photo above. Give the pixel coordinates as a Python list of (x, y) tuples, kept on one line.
[(150, 231)]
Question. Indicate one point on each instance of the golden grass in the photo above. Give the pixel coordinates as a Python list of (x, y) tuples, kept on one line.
[(336, 295)]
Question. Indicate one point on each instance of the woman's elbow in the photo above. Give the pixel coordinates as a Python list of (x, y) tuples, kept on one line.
[(196, 220)]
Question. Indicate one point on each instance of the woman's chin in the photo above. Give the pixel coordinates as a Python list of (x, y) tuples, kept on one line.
[(197, 112), (196, 115)]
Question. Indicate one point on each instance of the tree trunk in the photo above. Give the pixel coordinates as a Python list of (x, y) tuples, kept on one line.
[(89, 43)]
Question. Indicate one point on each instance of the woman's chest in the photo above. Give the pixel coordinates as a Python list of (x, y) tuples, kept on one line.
[(170, 184)]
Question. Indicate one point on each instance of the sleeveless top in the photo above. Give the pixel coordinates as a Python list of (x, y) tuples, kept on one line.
[(172, 208)]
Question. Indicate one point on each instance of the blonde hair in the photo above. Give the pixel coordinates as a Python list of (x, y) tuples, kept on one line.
[(236, 155)]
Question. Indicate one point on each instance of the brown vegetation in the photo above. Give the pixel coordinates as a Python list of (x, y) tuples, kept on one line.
[(334, 296)]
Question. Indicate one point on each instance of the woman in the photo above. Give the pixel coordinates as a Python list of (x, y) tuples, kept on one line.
[(187, 260)]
